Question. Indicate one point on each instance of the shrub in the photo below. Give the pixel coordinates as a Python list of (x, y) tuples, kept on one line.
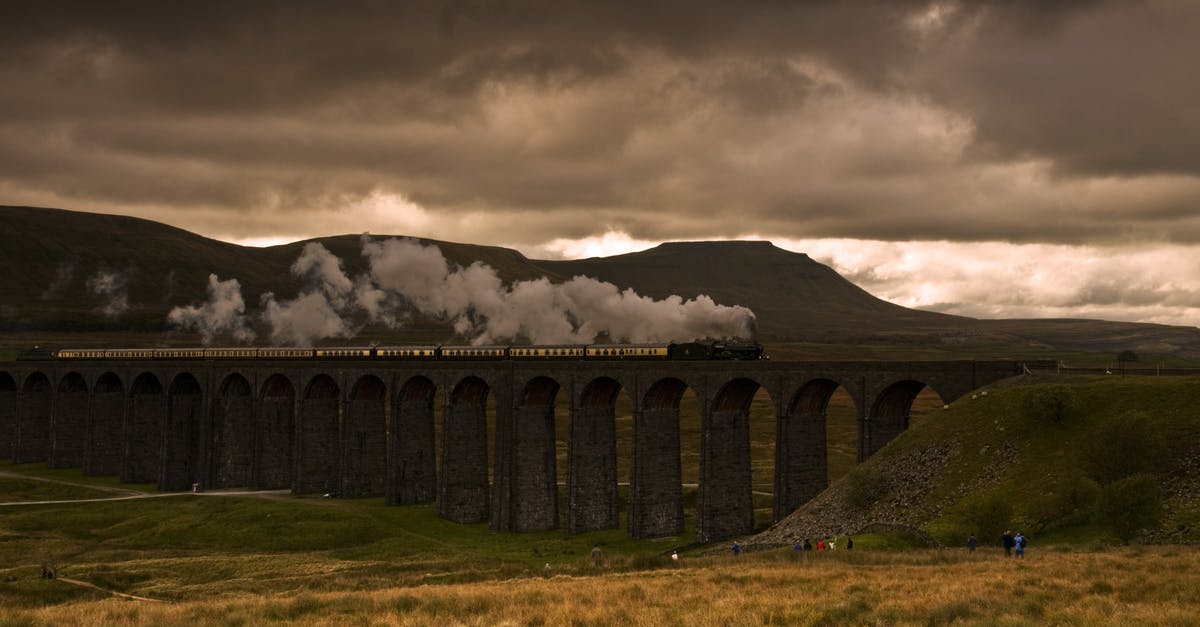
[(987, 515), (1049, 403), (1072, 502), (1125, 445), (1131, 504), (865, 486)]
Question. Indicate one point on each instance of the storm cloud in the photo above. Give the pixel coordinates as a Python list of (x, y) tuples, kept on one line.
[(525, 123)]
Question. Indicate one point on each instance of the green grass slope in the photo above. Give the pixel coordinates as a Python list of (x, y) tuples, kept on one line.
[(1109, 460)]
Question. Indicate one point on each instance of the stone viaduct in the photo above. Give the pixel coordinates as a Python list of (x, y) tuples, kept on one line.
[(367, 429)]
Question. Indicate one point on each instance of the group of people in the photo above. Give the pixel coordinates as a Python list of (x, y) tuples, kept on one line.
[(800, 548), (1013, 544)]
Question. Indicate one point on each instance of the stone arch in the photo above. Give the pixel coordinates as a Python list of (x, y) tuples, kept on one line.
[(592, 459), (364, 439), (32, 433), (320, 416), (69, 427), (143, 435), (801, 449), (102, 453), (233, 434), (535, 478), (182, 444), (889, 415), (463, 480), (655, 492), (412, 464), (725, 504), (274, 428), (8, 415)]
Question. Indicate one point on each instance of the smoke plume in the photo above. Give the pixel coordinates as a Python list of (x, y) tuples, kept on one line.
[(112, 288), (224, 313), (577, 311), (318, 311), (405, 277)]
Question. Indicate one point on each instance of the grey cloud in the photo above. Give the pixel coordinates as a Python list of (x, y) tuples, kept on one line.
[(518, 122), (1101, 90)]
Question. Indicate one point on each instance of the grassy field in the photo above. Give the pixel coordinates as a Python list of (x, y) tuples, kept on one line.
[(866, 586), (254, 559)]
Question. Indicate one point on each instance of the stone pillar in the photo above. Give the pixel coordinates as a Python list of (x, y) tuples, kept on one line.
[(463, 480), (34, 412), (364, 441), (880, 430), (102, 455), (592, 470), (317, 465), (274, 439), (725, 507), (413, 470), (181, 438), (233, 436), (536, 482), (143, 436), (8, 418), (656, 497), (69, 426), (801, 461)]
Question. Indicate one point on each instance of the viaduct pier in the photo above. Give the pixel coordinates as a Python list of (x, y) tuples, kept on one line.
[(367, 429)]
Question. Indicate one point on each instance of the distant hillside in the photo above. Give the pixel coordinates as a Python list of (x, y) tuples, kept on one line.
[(58, 252), (54, 254), (794, 296), (1119, 460)]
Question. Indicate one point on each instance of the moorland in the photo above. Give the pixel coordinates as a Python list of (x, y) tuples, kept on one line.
[(1102, 472)]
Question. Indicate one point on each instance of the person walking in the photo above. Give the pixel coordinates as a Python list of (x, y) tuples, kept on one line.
[(1007, 541), (971, 542), (849, 543), (1019, 545), (737, 549)]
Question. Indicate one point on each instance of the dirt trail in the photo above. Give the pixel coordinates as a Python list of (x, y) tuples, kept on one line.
[(126, 493), (85, 584)]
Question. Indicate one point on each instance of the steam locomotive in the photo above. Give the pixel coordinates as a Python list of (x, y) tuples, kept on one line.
[(708, 350)]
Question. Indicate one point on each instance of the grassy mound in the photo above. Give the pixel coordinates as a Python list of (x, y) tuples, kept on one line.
[(1101, 460)]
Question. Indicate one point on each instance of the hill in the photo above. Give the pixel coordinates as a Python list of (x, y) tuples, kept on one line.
[(1108, 459), (85, 272)]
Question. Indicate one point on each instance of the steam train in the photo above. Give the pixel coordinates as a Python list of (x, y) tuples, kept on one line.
[(708, 350)]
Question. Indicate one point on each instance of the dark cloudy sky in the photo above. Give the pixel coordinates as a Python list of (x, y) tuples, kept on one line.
[(985, 158)]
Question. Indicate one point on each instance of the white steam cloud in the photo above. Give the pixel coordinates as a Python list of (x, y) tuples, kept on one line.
[(405, 276), (576, 311), (315, 313), (224, 313), (112, 288)]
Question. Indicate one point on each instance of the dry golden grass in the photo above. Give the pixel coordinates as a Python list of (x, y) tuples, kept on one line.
[(1114, 587)]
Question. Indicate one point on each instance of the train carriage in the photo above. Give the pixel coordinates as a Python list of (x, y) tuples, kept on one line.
[(548, 352), (628, 351), (342, 352), (406, 352), (79, 353), (474, 352)]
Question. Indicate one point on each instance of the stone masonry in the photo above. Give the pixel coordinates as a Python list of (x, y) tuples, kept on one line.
[(368, 428)]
